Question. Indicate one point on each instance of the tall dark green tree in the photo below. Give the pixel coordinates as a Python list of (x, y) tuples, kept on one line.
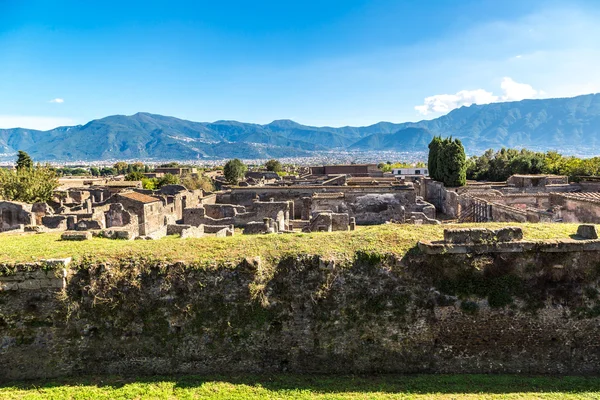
[(24, 161), (454, 165), (432, 161), (447, 161), (234, 170)]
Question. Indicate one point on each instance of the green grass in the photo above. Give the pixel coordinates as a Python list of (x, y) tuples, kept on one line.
[(379, 239), (435, 387)]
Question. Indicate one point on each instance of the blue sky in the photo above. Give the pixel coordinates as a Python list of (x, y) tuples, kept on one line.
[(347, 62)]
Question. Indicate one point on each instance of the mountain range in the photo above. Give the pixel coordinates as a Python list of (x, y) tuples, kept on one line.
[(565, 124)]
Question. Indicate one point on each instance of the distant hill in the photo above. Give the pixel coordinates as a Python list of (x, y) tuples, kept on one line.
[(415, 139), (563, 124)]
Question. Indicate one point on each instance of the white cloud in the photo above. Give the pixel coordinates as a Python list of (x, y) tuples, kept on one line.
[(57, 100), (444, 103), (514, 91), (33, 122)]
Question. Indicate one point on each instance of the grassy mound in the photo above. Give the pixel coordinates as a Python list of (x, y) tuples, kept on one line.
[(391, 238)]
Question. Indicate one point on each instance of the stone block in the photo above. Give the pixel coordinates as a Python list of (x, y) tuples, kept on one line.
[(176, 229), (58, 263), (509, 234), (255, 227), (222, 233), (591, 245), (192, 232), (469, 236), (55, 222), (457, 249), (35, 228), (87, 224), (587, 231), (76, 235)]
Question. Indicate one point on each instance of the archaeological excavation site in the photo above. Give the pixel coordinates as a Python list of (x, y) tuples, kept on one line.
[(343, 269)]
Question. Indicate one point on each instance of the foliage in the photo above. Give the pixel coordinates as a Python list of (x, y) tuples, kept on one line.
[(172, 164), (274, 165), (106, 171), (432, 161), (149, 183), (447, 161), (23, 160), (121, 167), (498, 166), (389, 166), (95, 171), (134, 176), (300, 387), (198, 181), (72, 171), (234, 170), (28, 185), (168, 179)]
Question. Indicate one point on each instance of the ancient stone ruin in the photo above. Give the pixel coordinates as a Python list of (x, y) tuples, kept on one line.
[(326, 199)]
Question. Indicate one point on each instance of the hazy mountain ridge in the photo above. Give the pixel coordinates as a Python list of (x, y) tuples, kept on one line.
[(540, 124)]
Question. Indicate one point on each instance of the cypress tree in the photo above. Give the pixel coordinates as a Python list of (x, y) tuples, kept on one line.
[(455, 165), (432, 160)]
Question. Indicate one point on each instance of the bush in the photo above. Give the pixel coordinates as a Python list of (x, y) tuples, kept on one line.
[(28, 185), (193, 182), (134, 176), (168, 179)]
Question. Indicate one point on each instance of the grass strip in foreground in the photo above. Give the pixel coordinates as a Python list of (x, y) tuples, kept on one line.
[(311, 387)]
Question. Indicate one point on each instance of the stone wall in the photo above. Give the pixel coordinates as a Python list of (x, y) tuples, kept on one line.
[(577, 208), (246, 196), (496, 310), (14, 215)]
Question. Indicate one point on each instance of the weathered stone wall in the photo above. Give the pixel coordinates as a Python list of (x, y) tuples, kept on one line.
[(246, 196), (577, 209), (530, 311), (13, 215), (503, 213)]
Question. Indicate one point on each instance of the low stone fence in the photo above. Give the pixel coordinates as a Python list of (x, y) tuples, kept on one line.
[(507, 240)]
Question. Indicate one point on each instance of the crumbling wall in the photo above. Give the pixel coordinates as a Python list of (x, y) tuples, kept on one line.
[(502, 213), (372, 209), (531, 311), (223, 210), (578, 210), (14, 215)]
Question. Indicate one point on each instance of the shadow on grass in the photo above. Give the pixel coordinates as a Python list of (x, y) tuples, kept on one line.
[(329, 384)]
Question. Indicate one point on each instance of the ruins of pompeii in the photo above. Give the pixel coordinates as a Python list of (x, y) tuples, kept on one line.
[(396, 273)]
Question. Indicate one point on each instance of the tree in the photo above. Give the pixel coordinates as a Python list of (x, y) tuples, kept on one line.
[(196, 181), (29, 185), (121, 167), (454, 166), (134, 176), (447, 161), (95, 171), (168, 179), (149, 183), (234, 170), (274, 165), (432, 161), (24, 161), (105, 171)]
